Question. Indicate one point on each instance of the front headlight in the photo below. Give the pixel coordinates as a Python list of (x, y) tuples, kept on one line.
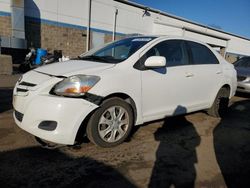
[(75, 86)]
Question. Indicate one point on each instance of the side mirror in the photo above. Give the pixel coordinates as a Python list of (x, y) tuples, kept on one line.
[(155, 62)]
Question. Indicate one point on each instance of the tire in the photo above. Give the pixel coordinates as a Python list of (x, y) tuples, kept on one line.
[(220, 105), (110, 124)]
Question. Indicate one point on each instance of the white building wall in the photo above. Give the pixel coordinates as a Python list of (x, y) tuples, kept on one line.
[(238, 46), (162, 29), (130, 20), (207, 39), (5, 5)]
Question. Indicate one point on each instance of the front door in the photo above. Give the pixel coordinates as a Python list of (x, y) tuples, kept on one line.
[(166, 91)]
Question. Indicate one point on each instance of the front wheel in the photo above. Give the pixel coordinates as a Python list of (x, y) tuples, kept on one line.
[(220, 105), (111, 124)]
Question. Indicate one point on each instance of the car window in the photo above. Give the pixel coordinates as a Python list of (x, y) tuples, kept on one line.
[(201, 54), (120, 51), (243, 62), (117, 51), (173, 50)]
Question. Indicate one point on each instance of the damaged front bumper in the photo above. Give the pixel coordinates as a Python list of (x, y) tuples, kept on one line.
[(52, 118)]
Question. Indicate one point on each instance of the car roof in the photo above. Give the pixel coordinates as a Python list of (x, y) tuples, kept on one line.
[(171, 37), (167, 37)]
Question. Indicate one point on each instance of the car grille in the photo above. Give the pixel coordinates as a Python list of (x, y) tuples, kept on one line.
[(23, 87), (241, 78), (19, 116), (21, 90), (27, 84)]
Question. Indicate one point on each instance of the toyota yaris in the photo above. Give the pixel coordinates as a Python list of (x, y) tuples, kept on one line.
[(107, 91)]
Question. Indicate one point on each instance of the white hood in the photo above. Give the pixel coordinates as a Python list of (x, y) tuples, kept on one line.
[(73, 67)]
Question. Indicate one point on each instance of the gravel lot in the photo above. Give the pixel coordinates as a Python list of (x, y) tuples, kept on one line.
[(185, 151)]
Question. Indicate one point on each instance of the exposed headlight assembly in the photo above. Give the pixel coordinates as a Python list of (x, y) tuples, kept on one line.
[(75, 86)]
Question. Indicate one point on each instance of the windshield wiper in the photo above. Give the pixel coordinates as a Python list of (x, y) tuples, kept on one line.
[(94, 58)]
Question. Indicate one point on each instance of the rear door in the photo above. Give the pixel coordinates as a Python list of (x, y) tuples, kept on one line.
[(206, 74)]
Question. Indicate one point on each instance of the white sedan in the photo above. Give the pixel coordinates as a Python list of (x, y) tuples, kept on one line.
[(106, 91)]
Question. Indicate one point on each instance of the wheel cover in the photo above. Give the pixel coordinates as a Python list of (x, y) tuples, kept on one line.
[(113, 124)]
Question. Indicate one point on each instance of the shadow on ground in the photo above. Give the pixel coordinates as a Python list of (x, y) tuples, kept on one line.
[(232, 145), (38, 167), (176, 154), (5, 99)]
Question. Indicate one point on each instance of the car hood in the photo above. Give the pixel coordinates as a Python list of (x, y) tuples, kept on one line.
[(243, 71), (73, 67)]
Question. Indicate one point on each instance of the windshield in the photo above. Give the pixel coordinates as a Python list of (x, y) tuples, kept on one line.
[(117, 51), (243, 62)]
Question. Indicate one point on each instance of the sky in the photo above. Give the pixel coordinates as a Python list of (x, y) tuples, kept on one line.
[(232, 16)]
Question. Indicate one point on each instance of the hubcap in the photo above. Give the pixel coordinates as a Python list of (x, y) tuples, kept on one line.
[(113, 124)]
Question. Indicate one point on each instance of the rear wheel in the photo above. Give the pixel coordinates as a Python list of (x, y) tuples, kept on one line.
[(111, 124), (220, 105)]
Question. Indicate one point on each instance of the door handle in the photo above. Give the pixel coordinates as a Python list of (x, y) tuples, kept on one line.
[(188, 75), (218, 72)]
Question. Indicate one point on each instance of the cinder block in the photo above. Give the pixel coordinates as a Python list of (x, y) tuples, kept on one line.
[(5, 23), (6, 64), (69, 40)]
